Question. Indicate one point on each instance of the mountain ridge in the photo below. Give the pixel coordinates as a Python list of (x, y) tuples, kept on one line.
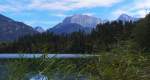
[(127, 18), (85, 21), (11, 30), (39, 29), (77, 22)]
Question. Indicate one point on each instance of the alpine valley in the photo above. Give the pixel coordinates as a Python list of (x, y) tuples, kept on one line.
[(11, 30)]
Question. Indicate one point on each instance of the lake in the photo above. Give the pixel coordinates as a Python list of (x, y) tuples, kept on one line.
[(16, 56)]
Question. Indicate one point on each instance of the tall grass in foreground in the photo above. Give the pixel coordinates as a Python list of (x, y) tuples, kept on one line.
[(117, 65)]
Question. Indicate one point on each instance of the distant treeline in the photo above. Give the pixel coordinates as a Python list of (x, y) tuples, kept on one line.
[(105, 37)]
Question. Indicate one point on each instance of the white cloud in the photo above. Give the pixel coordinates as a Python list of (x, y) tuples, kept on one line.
[(43, 23), (71, 4), (61, 15), (2, 8), (142, 4), (43, 4), (137, 8), (13, 6), (89, 14), (60, 5)]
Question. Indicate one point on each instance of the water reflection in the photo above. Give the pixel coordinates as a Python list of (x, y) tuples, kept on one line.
[(55, 76), (5, 56), (39, 77)]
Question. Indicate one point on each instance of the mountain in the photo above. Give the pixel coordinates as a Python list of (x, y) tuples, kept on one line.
[(11, 29), (76, 23), (39, 29), (85, 23), (83, 20), (62, 28), (126, 18)]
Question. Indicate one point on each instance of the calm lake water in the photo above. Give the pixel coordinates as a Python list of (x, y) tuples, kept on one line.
[(15, 56)]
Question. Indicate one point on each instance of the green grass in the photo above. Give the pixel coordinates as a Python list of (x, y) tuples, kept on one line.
[(114, 65)]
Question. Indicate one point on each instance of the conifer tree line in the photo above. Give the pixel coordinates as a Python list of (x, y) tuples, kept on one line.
[(104, 37)]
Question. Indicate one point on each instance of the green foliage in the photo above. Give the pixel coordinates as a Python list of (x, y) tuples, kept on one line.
[(103, 38), (114, 65), (142, 33), (123, 49)]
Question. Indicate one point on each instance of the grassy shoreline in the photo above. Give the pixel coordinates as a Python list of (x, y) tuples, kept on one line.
[(108, 66)]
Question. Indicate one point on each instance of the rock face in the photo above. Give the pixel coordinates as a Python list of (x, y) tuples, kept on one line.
[(62, 28), (11, 30), (39, 29), (127, 18), (76, 23), (83, 20)]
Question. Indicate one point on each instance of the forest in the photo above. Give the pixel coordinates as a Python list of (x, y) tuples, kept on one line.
[(123, 49), (104, 38)]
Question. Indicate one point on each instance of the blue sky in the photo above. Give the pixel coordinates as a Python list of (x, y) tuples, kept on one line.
[(47, 13)]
